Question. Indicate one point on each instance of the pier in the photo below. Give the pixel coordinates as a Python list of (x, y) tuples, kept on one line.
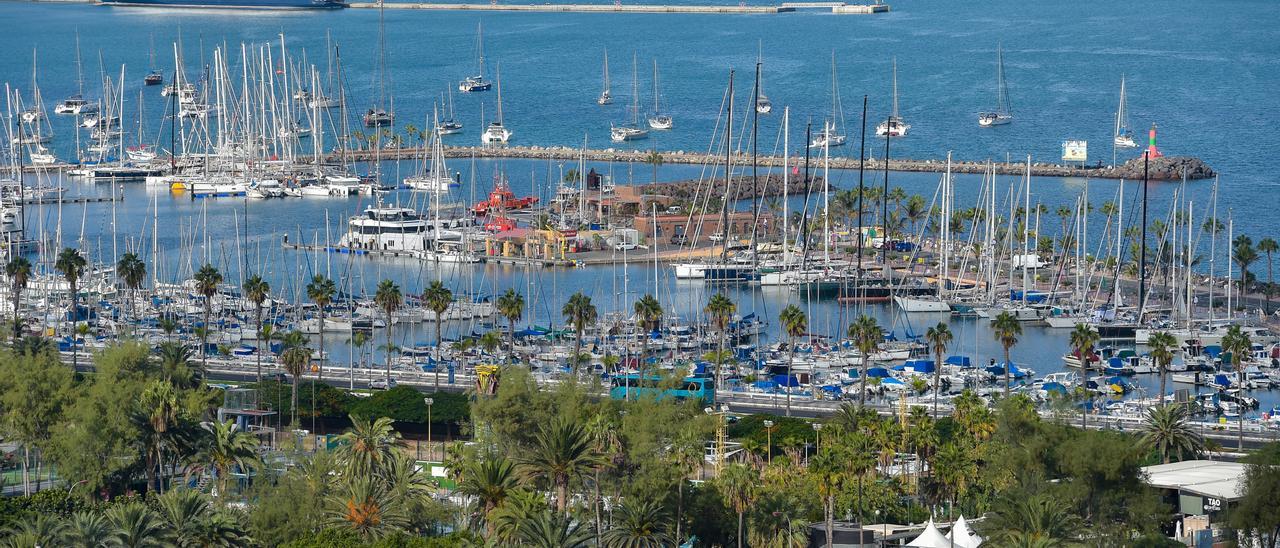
[(832, 7), (1196, 169), (46, 200)]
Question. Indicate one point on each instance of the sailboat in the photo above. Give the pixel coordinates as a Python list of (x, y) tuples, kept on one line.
[(1123, 138), (377, 115), (496, 132), (1002, 115), (606, 96), (76, 104), (154, 77), (830, 136), (658, 120), (449, 125), (763, 104), (437, 177), (894, 126), (477, 82), (632, 131)]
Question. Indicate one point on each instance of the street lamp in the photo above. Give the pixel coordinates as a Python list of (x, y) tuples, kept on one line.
[(768, 430), (429, 402), (817, 432)]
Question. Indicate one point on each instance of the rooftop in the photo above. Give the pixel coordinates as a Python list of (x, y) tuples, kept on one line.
[(1216, 479)]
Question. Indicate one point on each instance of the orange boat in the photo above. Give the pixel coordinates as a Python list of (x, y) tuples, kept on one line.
[(500, 224), (502, 199)]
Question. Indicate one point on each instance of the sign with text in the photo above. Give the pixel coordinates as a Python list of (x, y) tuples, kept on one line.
[(1075, 151)]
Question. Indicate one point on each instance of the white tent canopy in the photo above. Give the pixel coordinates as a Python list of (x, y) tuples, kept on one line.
[(964, 537), (931, 538)]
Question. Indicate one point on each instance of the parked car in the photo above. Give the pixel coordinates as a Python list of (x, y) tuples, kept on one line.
[(383, 384), (679, 239)]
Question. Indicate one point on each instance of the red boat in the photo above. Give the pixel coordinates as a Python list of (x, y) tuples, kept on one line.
[(502, 199), (500, 224)]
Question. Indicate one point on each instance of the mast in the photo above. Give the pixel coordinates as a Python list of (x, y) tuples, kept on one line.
[(862, 191), (1142, 258), (1026, 231), (635, 91), (606, 72), (728, 177), (755, 180), (498, 76), (786, 174), (655, 87), (895, 87)]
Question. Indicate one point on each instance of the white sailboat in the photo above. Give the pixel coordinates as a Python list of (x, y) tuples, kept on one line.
[(1123, 138), (894, 126), (1002, 114), (437, 177), (658, 120), (496, 132), (476, 83), (830, 136), (763, 104), (632, 131), (450, 125), (606, 97)]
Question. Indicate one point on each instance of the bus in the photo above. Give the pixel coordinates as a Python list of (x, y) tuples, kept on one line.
[(700, 388)]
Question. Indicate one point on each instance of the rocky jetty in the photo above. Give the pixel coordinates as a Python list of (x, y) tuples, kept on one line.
[(1164, 168)]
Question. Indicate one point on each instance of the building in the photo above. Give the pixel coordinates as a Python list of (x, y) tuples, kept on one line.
[(700, 228), (1201, 493)]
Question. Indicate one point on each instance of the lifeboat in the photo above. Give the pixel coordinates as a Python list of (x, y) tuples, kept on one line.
[(500, 224), (502, 199)]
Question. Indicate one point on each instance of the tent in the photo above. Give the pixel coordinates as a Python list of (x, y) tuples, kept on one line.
[(931, 538), (964, 537)]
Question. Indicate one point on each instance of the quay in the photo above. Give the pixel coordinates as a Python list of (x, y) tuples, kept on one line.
[(1167, 167), (42, 200), (832, 7)]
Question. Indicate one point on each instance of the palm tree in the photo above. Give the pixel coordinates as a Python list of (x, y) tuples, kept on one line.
[(562, 451), (71, 265), (1035, 520), (654, 158), (226, 449), (1237, 342), (321, 291), (578, 312), (437, 299), (132, 271), (939, 337), (1244, 255), (19, 272), (1006, 329), (548, 530), (368, 446), (295, 357), (256, 290), (38, 530), (490, 480), (866, 334), (639, 524), (649, 315), (90, 530), (1269, 246), (388, 298), (828, 469), (207, 280), (1168, 430), (158, 408), (737, 484), (1083, 338), (1162, 344), (369, 507), (794, 324), (137, 526), (721, 311), (511, 306), (185, 514)]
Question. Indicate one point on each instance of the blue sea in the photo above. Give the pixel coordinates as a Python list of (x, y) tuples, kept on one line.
[(1206, 75)]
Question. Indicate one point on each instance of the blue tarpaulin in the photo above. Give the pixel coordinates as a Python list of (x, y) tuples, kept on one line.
[(879, 372), (786, 380), (962, 361)]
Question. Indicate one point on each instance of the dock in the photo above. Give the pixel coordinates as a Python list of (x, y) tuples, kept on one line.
[(52, 200), (618, 7), (1039, 169)]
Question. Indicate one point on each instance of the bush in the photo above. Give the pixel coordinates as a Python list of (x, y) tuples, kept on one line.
[(404, 404), (343, 538)]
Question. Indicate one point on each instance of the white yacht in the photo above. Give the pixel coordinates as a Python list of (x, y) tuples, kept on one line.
[(401, 229), (75, 104), (658, 120), (1123, 137), (497, 133), (1002, 114), (894, 126), (828, 137)]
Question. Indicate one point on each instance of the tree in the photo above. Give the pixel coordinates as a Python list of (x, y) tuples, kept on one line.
[(1244, 255), (137, 526), (321, 291), (737, 484), (389, 299), (654, 158), (550, 530), (1236, 342), (159, 410), (132, 271), (721, 311), (639, 524), (207, 280), (562, 451), (1258, 512), (256, 290), (1162, 344), (295, 358), (1269, 246), (511, 306), (89, 529), (1035, 520), (649, 316), (794, 324), (939, 337), (578, 312), (866, 335), (226, 449), (19, 272), (828, 472), (368, 446), (437, 299), (71, 265), (1082, 339), (490, 479), (1168, 431), (35, 394), (1006, 329)]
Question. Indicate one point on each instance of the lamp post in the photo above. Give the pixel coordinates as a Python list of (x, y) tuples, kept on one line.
[(429, 402), (817, 433), (768, 444)]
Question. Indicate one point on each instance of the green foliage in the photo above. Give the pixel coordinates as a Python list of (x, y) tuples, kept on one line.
[(1259, 511), (405, 404), (340, 538)]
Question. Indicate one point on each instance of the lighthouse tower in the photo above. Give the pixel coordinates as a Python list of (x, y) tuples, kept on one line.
[(1152, 151)]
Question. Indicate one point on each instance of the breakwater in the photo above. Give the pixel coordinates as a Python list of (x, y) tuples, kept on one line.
[(1163, 168), (833, 7)]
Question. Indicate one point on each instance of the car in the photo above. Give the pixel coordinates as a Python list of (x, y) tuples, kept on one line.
[(717, 237), (679, 239), (382, 384)]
